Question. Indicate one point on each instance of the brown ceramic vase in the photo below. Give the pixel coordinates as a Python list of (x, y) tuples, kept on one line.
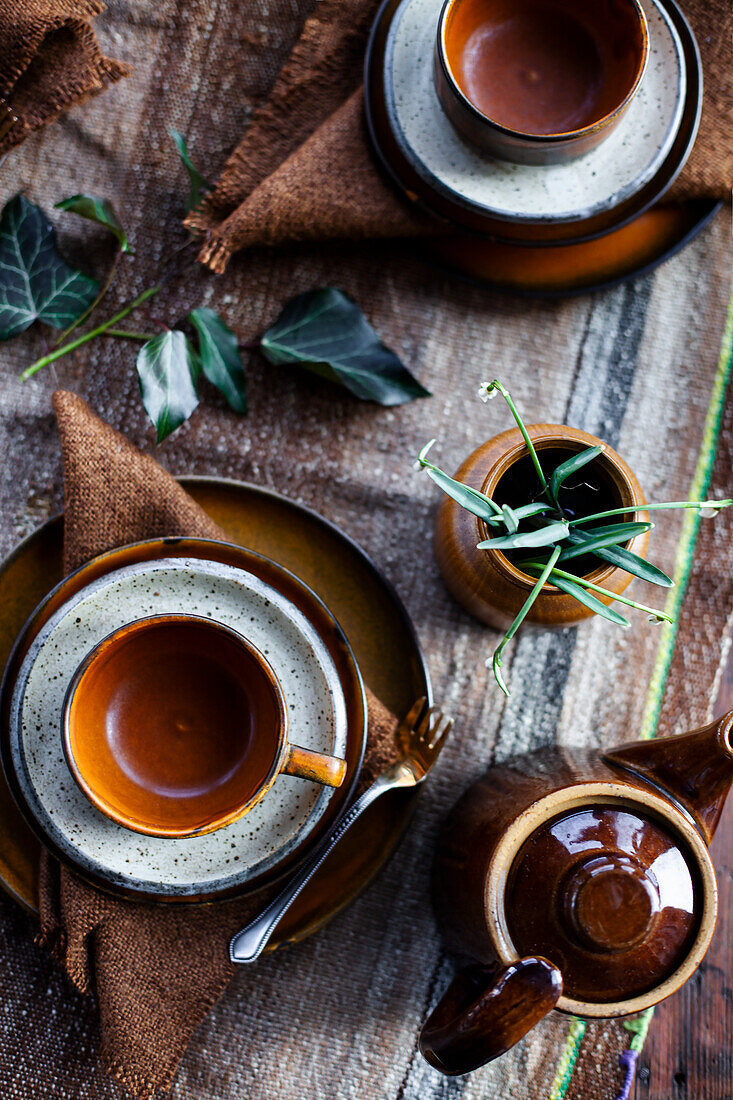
[(576, 880), (485, 581)]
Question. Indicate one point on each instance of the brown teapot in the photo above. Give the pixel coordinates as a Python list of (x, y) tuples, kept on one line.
[(579, 881)]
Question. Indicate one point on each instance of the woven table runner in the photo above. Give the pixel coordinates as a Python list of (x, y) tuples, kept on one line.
[(337, 1017)]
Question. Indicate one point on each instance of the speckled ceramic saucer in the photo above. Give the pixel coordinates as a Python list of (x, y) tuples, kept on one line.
[(237, 855), (563, 192), (577, 201)]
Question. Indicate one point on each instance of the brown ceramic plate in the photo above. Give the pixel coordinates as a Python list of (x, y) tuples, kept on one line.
[(444, 204), (104, 594), (567, 269), (368, 609)]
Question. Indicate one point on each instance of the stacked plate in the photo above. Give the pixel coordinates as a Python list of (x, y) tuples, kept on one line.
[(521, 206), (259, 600)]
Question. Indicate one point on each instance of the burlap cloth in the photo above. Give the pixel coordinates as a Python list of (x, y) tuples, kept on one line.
[(156, 970), (49, 59), (304, 170)]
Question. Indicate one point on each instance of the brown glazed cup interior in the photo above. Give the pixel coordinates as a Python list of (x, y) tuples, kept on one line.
[(539, 80), (175, 725)]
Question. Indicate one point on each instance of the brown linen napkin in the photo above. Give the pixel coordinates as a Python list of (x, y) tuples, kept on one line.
[(156, 970), (304, 171), (49, 60)]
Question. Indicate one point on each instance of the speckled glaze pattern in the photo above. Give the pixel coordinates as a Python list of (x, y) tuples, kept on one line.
[(586, 186), (231, 855)]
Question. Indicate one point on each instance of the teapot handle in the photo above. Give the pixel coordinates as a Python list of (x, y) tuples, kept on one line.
[(486, 1010)]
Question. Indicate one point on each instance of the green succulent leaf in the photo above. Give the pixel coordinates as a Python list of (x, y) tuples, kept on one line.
[(545, 536), (325, 332), (510, 519), (635, 565), (625, 559), (97, 210), (526, 510), (198, 185), (168, 369), (36, 284), (571, 466), (580, 594), (591, 541), (220, 358), (470, 499)]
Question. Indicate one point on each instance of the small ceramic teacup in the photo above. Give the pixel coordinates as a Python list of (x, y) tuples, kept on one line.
[(539, 81), (175, 725)]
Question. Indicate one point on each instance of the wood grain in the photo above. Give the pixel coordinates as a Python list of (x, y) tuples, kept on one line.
[(688, 1054)]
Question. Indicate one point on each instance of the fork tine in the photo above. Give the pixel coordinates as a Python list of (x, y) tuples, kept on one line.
[(432, 718), (8, 118), (414, 712), (440, 734)]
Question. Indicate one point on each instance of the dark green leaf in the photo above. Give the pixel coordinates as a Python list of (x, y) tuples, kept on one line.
[(471, 499), (590, 541), (546, 536), (97, 210), (220, 358), (571, 465), (625, 559), (198, 186), (635, 565), (510, 518), (526, 510), (582, 595), (325, 332), (35, 283), (168, 368)]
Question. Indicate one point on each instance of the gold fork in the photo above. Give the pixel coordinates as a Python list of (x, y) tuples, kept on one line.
[(8, 118), (421, 736)]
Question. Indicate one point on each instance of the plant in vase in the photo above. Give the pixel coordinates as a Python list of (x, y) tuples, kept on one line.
[(545, 524)]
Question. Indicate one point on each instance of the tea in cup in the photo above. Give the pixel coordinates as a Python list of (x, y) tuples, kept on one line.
[(539, 81), (176, 725)]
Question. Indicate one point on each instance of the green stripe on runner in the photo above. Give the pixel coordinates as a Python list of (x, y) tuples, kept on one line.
[(686, 548), (568, 1058), (683, 566)]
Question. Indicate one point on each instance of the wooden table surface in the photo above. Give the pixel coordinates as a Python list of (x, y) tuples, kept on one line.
[(688, 1054)]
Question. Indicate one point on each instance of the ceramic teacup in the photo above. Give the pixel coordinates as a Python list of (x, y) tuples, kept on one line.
[(175, 725), (539, 81)]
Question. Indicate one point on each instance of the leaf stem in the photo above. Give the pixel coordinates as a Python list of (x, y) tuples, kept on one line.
[(125, 335), (521, 617), (652, 508), (603, 591), (90, 309), (496, 385), (98, 331)]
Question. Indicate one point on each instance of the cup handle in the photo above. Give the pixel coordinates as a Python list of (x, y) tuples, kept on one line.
[(307, 764), (486, 1010)]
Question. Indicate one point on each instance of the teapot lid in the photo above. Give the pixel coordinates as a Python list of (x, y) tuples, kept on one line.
[(610, 896)]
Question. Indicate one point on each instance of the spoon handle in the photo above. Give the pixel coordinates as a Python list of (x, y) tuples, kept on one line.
[(249, 944)]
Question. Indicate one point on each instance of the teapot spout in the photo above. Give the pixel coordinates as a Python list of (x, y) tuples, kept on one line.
[(695, 768)]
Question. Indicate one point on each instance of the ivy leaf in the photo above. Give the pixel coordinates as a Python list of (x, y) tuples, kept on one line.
[(198, 186), (326, 332), (220, 358), (97, 210), (35, 282), (168, 369)]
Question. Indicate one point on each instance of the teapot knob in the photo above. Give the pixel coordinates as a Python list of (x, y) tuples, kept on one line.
[(610, 902)]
